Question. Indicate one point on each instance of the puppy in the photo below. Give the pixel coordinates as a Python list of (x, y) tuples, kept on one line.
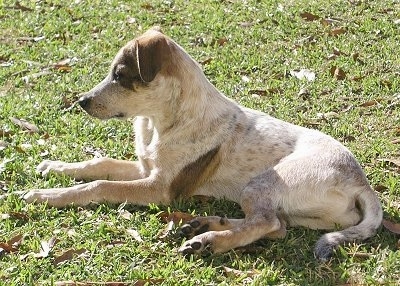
[(192, 140)]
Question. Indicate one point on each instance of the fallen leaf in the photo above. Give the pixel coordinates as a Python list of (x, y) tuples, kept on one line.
[(222, 41), (338, 52), (206, 61), (245, 79), (391, 226), (167, 230), (115, 243), (349, 138), (395, 141), (31, 39), (4, 133), (147, 6), (328, 115), (392, 161), (264, 92), (308, 16), (176, 217), (18, 6), (140, 282), (69, 255), (131, 20), (385, 83), (329, 21), (380, 188), (370, 103), (12, 244), (3, 164), (45, 248), (356, 58), (358, 78), (304, 93), (28, 78), (303, 74), (331, 57), (245, 24), (4, 216), (172, 219), (135, 234), (238, 273), (64, 65), (337, 73), (19, 215), (3, 145), (96, 152), (360, 255), (125, 214), (25, 125), (337, 31)]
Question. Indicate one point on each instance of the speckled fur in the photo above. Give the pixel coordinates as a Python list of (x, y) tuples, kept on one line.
[(192, 140)]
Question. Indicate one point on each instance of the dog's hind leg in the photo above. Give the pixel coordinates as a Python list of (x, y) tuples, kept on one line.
[(262, 219), (203, 224), (249, 230)]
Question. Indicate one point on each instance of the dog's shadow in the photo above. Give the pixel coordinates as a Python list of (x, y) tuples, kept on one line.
[(266, 260)]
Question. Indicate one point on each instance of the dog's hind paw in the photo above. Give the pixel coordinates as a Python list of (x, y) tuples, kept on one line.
[(194, 227), (198, 244), (203, 224)]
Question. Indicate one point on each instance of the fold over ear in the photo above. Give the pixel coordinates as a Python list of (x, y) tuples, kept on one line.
[(152, 52)]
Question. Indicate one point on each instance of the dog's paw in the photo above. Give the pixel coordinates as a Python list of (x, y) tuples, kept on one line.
[(58, 197), (200, 244), (195, 227), (47, 166), (40, 196)]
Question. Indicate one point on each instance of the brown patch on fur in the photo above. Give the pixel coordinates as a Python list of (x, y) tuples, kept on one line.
[(125, 69), (195, 173)]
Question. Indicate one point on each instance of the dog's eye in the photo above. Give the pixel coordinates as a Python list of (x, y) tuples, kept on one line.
[(117, 76), (119, 73)]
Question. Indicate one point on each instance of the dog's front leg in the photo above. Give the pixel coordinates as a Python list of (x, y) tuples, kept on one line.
[(95, 169), (139, 192)]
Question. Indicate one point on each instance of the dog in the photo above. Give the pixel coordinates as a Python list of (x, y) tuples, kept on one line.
[(192, 140)]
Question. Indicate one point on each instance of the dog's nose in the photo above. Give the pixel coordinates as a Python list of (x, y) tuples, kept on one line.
[(84, 102)]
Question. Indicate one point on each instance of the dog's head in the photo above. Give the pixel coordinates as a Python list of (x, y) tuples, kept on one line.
[(136, 79)]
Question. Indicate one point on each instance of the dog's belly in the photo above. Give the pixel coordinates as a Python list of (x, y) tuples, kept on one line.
[(230, 190)]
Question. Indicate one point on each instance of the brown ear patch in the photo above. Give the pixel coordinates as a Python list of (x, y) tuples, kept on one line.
[(152, 52)]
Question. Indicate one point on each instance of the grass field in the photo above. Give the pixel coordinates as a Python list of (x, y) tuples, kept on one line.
[(263, 54)]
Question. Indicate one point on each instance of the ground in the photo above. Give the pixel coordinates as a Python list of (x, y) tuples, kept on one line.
[(328, 65)]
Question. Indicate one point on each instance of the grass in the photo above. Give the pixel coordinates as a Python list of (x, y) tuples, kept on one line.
[(248, 50)]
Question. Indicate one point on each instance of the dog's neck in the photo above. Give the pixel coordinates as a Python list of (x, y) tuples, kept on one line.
[(199, 101)]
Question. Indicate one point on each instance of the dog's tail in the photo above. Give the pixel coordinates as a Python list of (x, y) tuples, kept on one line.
[(372, 218)]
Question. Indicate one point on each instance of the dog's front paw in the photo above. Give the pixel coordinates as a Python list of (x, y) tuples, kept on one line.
[(47, 166), (196, 245), (41, 196)]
